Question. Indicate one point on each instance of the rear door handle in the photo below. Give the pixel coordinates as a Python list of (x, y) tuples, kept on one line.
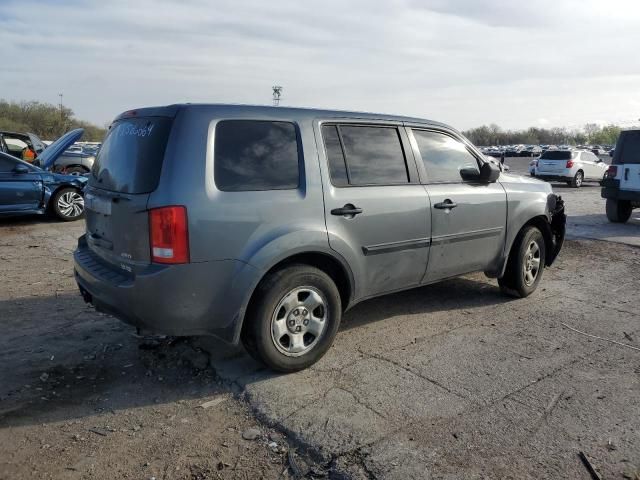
[(348, 210), (626, 174), (445, 205)]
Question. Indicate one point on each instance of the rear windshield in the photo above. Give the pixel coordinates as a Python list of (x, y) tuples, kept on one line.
[(628, 148), (557, 155), (130, 158)]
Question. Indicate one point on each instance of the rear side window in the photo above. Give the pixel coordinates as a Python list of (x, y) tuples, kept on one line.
[(256, 155), (335, 155), (365, 155), (443, 156), (629, 146), (130, 160), (558, 155)]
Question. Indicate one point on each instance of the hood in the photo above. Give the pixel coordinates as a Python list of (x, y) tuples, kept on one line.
[(515, 178), (48, 157)]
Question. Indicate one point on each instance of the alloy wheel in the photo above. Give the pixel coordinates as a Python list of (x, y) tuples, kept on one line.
[(71, 204), (531, 265), (299, 321)]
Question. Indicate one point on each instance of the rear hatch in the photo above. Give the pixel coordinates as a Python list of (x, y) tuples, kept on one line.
[(125, 172), (627, 157), (554, 161)]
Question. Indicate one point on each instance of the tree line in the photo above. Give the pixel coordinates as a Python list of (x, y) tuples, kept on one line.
[(590, 134), (49, 121), (46, 120)]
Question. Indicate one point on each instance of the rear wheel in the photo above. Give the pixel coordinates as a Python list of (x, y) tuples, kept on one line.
[(576, 181), (68, 204), (294, 318), (525, 265), (618, 211)]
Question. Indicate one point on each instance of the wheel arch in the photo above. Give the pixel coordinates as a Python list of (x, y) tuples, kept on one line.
[(541, 222), (330, 263), (54, 192)]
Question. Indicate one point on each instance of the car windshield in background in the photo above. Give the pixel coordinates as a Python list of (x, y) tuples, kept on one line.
[(630, 151), (130, 159), (557, 155)]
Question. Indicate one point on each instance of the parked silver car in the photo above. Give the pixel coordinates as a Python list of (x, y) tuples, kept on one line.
[(570, 166), (265, 224)]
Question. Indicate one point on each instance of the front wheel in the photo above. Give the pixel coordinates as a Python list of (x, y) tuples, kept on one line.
[(294, 318), (525, 265), (68, 204), (618, 211)]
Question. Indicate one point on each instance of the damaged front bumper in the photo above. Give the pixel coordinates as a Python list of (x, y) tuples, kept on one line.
[(558, 226)]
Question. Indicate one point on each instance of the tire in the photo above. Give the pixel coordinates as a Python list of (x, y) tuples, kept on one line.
[(68, 204), (576, 181), (516, 282), (76, 171), (283, 329), (618, 211)]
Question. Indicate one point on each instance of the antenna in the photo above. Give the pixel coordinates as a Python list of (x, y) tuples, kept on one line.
[(277, 93)]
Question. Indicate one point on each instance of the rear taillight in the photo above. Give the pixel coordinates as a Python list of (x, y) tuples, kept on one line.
[(569, 163), (611, 172), (169, 235)]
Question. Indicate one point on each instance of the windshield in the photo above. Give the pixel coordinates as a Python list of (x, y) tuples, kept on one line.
[(130, 159)]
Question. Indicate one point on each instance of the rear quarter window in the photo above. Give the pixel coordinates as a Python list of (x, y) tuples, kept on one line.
[(254, 155)]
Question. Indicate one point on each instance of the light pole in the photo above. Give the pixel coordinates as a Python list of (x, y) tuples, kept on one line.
[(277, 93), (61, 116)]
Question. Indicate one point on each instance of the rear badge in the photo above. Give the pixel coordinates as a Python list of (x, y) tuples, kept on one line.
[(125, 267)]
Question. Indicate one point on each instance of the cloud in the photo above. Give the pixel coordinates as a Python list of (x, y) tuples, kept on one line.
[(465, 63)]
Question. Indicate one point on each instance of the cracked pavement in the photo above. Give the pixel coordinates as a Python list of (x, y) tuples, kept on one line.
[(454, 380)]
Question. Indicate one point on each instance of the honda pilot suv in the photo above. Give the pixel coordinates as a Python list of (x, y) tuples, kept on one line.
[(621, 183), (264, 224)]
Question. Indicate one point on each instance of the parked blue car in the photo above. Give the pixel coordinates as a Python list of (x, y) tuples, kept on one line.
[(27, 189)]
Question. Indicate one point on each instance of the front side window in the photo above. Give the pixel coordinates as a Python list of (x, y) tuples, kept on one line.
[(256, 155), (365, 155), (443, 156)]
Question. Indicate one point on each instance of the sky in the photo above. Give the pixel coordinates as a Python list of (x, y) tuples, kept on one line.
[(466, 62)]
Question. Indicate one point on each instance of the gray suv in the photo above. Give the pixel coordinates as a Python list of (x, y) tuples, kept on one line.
[(265, 224)]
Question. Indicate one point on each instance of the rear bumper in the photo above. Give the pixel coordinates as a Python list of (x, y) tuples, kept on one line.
[(611, 189), (189, 299), (553, 177)]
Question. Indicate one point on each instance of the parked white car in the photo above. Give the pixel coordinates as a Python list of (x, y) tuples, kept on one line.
[(571, 166)]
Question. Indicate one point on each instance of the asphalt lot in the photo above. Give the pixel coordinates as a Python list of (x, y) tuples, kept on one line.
[(447, 381)]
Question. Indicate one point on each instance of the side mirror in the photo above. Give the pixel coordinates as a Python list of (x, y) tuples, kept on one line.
[(489, 173), (20, 169)]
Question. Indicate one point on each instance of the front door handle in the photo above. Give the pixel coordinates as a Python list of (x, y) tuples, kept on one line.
[(445, 205), (348, 210)]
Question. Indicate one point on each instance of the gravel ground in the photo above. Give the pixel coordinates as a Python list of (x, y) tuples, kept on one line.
[(447, 381), (83, 397)]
